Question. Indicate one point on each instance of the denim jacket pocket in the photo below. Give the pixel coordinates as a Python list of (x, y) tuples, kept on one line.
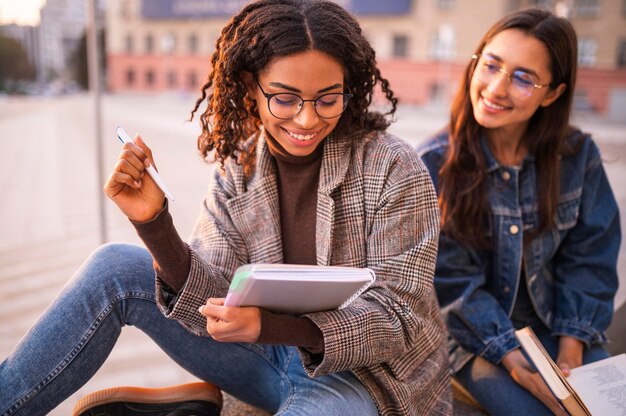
[(565, 219), (567, 211)]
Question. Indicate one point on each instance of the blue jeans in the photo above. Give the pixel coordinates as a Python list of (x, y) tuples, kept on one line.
[(493, 387), (114, 288)]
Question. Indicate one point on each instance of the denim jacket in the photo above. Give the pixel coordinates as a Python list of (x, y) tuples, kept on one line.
[(571, 270)]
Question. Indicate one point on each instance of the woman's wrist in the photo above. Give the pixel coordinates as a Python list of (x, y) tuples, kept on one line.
[(570, 354), (512, 360), (571, 345), (149, 215)]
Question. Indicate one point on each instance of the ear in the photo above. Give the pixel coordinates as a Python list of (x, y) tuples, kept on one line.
[(248, 79), (553, 94)]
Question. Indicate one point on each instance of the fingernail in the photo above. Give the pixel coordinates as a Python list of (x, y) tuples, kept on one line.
[(200, 309)]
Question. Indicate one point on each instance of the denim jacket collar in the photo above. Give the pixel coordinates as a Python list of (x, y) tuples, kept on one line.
[(491, 162)]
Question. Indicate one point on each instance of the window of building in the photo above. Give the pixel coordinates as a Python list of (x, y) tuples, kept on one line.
[(129, 43), (125, 9), (542, 4), (436, 91), (581, 100), (621, 54), (586, 8), (130, 77), (192, 80), (168, 42), (171, 79), (400, 46), (587, 48), (513, 5), (149, 78), (149, 44), (445, 4), (563, 9), (192, 42), (442, 43)]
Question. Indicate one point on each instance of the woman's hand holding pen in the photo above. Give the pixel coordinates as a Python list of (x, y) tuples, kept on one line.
[(231, 324), (521, 371), (134, 192)]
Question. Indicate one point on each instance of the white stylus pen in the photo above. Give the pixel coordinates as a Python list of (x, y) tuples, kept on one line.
[(125, 138)]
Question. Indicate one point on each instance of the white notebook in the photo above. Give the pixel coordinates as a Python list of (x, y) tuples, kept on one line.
[(297, 289)]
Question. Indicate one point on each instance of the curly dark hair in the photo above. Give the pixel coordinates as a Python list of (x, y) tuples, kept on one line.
[(267, 29)]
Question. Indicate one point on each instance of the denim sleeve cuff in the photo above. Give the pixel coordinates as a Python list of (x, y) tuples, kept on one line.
[(579, 330), (499, 347)]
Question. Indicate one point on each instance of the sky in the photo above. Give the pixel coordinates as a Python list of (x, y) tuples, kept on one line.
[(23, 12)]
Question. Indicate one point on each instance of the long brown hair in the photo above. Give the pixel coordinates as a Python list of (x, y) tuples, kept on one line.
[(462, 198), (267, 29)]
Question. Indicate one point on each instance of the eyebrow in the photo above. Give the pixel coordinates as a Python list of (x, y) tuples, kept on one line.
[(519, 68), (294, 89)]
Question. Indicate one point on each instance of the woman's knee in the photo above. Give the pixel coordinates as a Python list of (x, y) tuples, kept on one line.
[(493, 387), (115, 264)]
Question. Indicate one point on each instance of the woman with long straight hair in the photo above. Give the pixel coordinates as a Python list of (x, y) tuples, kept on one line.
[(530, 226)]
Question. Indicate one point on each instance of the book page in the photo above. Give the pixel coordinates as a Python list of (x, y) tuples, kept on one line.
[(550, 372), (602, 385), (542, 362)]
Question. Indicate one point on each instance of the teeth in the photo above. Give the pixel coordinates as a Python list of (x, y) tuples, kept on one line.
[(493, 105), (302, 137)]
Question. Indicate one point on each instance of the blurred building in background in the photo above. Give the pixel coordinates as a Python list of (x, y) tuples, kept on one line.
[(28, 37), (61, 27), (52, 45), (422, 45)]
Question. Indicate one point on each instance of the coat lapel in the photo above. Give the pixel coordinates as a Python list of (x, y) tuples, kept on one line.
[(335, 164), (255, 213)]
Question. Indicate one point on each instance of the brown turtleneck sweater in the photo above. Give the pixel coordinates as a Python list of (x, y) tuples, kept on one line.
[(297, 179)]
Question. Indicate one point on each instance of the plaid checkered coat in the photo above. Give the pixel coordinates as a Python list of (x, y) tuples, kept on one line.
[(376, 208)]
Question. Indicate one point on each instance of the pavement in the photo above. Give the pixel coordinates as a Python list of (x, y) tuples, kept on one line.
[(49, 219)]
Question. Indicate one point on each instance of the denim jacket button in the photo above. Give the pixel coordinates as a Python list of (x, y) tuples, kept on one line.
[(506, 175), (513, 229)]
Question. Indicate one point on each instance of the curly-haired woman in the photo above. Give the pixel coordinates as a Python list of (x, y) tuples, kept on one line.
[(307, 175)]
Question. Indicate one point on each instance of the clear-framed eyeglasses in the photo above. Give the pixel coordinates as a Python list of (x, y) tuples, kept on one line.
[(521, 84), (285, 105)]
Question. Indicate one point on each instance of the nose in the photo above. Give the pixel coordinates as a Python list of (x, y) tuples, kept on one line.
[(499, 85), (307, 117)]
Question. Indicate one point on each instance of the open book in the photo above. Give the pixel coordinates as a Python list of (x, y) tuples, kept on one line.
[(597, 388), (297, 289)]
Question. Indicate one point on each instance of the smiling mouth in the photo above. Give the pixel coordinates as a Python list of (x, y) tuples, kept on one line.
[(302, 137), (492, 105)]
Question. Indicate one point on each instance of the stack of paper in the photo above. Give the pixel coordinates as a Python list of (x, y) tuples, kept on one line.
[(297, 289)]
